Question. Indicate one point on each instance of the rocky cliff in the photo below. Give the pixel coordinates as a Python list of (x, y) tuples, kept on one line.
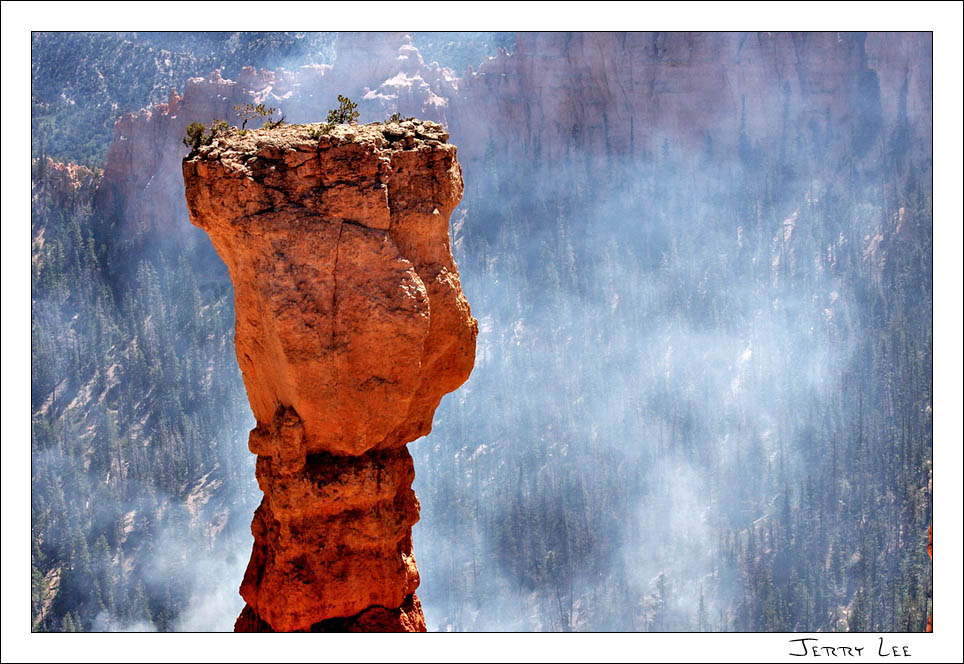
[(350, 327), (55, 186), (564, 96), (628, 94)]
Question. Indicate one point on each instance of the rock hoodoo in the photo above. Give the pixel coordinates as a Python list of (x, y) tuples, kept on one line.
[(350, 327)]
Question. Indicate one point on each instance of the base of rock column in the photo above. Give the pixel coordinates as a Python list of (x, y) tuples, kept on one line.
[(406, 618)]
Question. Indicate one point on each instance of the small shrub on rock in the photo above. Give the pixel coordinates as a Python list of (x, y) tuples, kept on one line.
[(195, 135), (250, 111), (345, 112)]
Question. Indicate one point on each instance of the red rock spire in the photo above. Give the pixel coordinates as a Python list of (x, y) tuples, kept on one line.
[(350, 327)]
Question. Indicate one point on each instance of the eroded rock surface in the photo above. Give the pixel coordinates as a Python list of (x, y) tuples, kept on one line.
[(350, 327)]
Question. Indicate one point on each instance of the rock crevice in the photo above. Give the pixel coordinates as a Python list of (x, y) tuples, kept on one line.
[(350, 327)]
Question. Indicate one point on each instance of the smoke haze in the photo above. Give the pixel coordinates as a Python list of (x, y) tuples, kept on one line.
[(701, 399)]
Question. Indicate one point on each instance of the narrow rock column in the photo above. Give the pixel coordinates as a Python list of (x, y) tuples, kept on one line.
[(350, 327)]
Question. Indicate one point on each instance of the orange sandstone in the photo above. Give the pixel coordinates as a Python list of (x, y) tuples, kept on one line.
[(350, 327)]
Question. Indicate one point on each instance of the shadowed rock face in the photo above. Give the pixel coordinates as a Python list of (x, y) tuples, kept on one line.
[(350, 327)]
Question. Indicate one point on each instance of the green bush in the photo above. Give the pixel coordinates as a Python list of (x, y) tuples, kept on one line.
[(196, 136), (218, 127), (271, 124), (397, 118), (345, 112)]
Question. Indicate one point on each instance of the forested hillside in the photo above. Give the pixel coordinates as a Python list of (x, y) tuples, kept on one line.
[(138, 449), (81, 82), (702, 398), (712, 413)]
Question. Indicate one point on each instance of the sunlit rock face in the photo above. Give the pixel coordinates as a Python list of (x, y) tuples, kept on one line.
[(350, 327)]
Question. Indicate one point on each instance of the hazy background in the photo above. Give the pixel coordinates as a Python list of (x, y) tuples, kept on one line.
[(701, 400)]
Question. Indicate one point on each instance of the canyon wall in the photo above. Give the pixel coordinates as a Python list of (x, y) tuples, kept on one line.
[(625, 94), (350, 327), (562, 96), (626, 194), (59, 186), (554, 99)]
